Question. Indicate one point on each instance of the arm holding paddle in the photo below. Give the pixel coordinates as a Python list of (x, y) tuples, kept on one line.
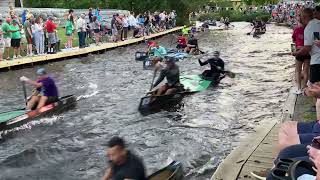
[(27, 80), (202, 63), (160, 79)]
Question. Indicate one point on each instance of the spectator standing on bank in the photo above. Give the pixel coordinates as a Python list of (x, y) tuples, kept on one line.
[(132, 21), (69, 31), (98, 14), (163, 18), (28, 33), (23, 39), (119, 26), (81, 29), (302, 62), (146, 24), (39, 36), (125, 23), (114, 28), (90, 14), (51, 27), (24, 16), (96, 29), (15, 39), (1, 42), (7, 37), (173, 16)]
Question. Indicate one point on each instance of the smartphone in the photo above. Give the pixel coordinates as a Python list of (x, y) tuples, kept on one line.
[(316, 143), (316, 35), (293, 47)]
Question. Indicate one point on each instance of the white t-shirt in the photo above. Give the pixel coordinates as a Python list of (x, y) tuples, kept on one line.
[(132, 21), (312, 29), (162, 16)]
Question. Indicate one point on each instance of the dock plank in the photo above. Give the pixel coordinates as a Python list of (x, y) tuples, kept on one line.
[(257, 152), (78, 52)]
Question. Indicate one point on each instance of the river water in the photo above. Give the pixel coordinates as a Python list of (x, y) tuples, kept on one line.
[(109, 87)]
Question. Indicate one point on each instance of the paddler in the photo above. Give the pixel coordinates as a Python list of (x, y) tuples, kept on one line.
[(158, 53), (216, 64), (124, 165), (46, 90), (182, 42), (192, 44), (172, 74), (185, 30), (151, 44)]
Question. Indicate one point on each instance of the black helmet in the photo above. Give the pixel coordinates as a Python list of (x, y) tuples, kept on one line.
[(169, 59)]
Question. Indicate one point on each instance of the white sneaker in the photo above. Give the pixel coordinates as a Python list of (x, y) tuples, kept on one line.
[(309, 83), (297, 91), (19, 56), (14, 57)]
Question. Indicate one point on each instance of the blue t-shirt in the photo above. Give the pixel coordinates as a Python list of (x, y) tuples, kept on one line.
[(48, 88)]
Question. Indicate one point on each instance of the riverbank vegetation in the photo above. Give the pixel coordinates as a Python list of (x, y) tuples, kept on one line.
[(183, 7), (235, 15)]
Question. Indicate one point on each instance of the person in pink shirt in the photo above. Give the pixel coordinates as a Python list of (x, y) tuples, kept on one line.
[(302, 62)]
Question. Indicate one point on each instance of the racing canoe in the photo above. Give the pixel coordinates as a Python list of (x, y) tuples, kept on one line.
[(16, 118), (192, 84), (171, 172)]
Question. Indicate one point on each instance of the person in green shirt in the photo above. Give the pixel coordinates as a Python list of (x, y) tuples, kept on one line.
[(69, 31), (158, 53), (6, 37), (15, 39), (185, 30)]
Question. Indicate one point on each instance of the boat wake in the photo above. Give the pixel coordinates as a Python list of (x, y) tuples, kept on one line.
[(29, 125), (93, 88), (87, 95)]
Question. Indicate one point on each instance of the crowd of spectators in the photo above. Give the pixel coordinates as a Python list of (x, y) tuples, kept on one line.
[(298, 148), (33, 35)]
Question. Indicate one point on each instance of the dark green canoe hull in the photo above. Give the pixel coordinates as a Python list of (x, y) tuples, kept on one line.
[(192, 84), (173, 171)]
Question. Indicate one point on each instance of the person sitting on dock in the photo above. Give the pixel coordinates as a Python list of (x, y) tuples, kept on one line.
[(158, 53), (192, 44), (216, 64), (123, 163), (172, 73), (46, 90)]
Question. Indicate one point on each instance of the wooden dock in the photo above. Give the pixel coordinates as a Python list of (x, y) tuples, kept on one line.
[(256, 153), (78, 52)]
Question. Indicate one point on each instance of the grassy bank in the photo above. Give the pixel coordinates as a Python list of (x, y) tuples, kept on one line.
[(235, 16)]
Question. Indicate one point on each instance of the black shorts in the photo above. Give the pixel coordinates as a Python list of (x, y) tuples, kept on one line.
[(96, 30), (178, 87), (52, 99), (15, 43), (181, 46), (315, 73), (302, 58)]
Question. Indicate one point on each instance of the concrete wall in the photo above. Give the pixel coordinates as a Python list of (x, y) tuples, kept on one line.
[(59, 13)]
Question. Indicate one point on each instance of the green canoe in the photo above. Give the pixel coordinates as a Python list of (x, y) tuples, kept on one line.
[(194, 83), (191, 83), (6, 116)]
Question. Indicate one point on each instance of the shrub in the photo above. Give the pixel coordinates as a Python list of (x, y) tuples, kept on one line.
[(235, 16)]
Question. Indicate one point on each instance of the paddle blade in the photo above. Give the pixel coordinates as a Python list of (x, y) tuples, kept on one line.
[(230, 74)]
